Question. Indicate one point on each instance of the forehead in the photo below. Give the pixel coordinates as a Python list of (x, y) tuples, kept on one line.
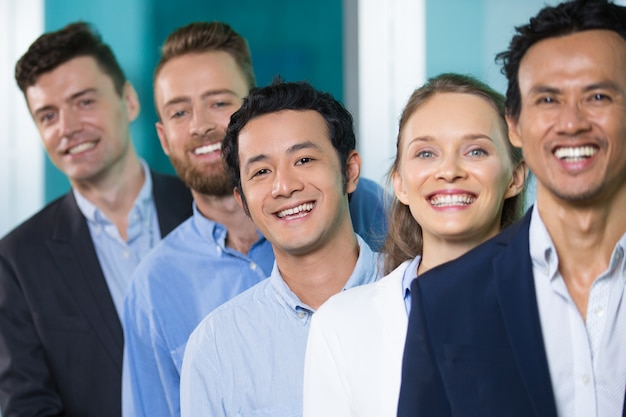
[(197, 72), (68, 78), (576, 59), (279, 131), (452, 116)]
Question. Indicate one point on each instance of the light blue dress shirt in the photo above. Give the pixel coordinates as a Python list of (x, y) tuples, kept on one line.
[(410, 273), (586, 356), (118, 258), (247, 357), (187, 275)]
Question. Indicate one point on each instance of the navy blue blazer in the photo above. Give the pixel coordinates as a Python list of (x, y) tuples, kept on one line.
[(474, 345), (61, 341)]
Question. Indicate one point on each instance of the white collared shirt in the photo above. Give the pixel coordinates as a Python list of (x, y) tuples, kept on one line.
[(586, 358)]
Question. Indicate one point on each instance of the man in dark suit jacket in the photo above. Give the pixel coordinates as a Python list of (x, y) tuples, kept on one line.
[(64, 271), (533, 322)]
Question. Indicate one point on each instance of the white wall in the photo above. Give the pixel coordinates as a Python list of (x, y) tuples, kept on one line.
[(384, 61), (21, 154)]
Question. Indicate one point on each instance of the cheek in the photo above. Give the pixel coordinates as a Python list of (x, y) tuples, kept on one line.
[(496, 178)]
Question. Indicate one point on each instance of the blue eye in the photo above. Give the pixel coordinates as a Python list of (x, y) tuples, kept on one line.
[(478, 152), (425, 154)]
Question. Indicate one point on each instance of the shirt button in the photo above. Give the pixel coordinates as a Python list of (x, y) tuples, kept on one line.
[(301, 314), (126, 254), (585, 379), (600, 312), (253, 266)]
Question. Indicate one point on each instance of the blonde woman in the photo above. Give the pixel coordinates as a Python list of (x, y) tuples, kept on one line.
[(457, 182)]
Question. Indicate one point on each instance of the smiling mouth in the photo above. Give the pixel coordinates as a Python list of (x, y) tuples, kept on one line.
[(575, 154), (203, 150), (295, 212), (85, 146), (448, 200)]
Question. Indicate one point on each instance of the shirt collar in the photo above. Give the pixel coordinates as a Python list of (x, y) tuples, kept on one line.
[(410, 273), (142, 203), (365, 271), (212, 231), (542, 251)]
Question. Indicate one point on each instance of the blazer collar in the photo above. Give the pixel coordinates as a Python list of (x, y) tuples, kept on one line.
[(516, 291), (389, 302), (72, 247)]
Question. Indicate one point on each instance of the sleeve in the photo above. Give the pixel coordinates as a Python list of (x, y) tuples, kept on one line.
[(326, 390), (26, 386), (368, 211), (422, 391), (201, 382), (148, 365)]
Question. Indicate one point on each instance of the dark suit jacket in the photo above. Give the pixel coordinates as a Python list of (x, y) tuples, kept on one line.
[(61, 340), (474, 345)]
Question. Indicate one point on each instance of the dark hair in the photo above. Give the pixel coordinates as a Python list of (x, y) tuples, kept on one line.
[(201, 37), (404, 235), (55, 48), (566, 18), (280, 96)]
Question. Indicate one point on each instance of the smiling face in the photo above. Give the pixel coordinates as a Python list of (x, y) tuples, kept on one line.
[(83, 122), (572, 124), (454, 171), (292, 180), (195, 95)]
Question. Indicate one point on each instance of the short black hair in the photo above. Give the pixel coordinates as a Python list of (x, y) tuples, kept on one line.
[(563, 19), (52, 49), (280, 96)]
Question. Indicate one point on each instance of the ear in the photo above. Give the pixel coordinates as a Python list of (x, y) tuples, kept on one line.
[(514, 134), (131, 100), (353, 171), (241, 200), (161, 134), (398, 188), (517, 181)]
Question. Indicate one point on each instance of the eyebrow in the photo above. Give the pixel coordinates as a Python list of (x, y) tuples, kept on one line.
[(72, 97), (294, 148), (206, 94), (467, 136), (602, 85)]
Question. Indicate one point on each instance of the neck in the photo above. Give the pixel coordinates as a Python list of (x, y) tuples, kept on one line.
[(115, 191), (584, 238), (309, 275), (437, 252), (241, 232)]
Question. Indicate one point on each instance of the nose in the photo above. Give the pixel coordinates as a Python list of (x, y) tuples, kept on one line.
[(285, 183), (202, 123), (450, 168), (572, 119), (70, 123)]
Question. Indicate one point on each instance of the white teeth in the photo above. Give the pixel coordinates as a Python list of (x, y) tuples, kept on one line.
[(452, 200), (202, 150), (82, 147), (301, 209), (575, 154)]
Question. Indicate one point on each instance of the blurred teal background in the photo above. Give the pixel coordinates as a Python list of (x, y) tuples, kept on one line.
[(298, 40)]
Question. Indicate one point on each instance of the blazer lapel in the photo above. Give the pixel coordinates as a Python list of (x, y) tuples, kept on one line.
[(172, 200), (392, 313), (72, 247), (516, 292)]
